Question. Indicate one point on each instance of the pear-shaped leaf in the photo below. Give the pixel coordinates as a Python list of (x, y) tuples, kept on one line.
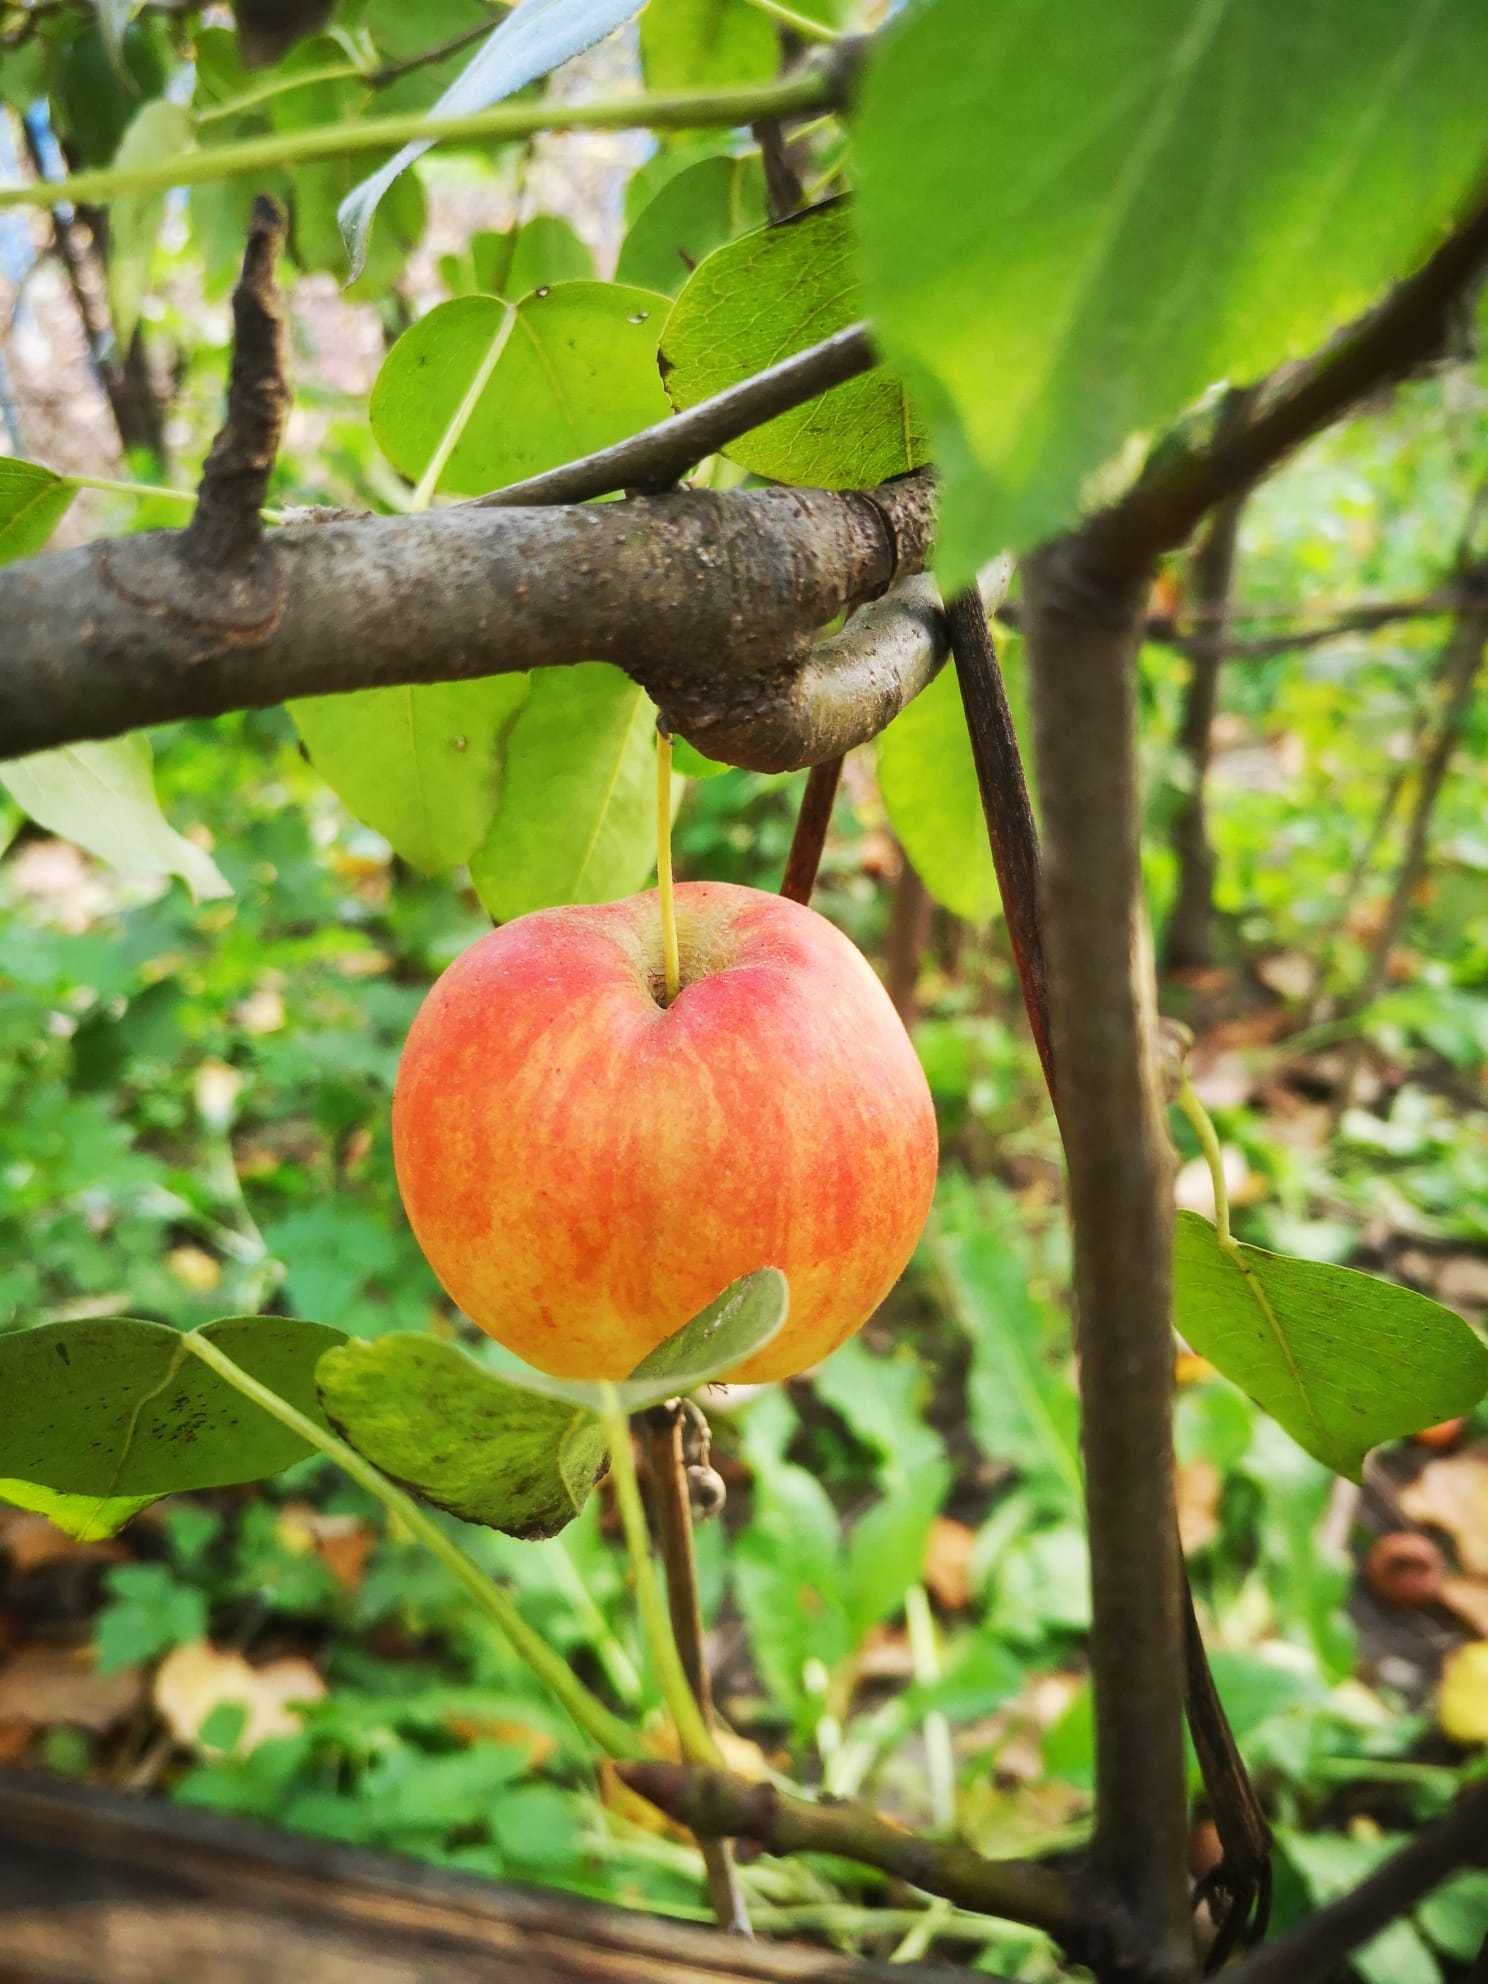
[(698, 210), (112, 1407), (543, 250), (526, 44), (754, 302), (33, 501), (568, 370), (930, 793), (85, 1518), (1341, 1359), (103, 797), (430, 1417)]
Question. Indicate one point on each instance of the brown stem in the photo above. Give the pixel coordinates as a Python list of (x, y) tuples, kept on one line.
[(1103, 1026), (1005, 805), (392, 72), (1189, 939), (658, 456), (810, 837), (716, 1803), (662, 1443), (1318, 1948)]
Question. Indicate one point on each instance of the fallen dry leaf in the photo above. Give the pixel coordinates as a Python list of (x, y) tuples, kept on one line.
[(1452, 1495), (47, 1685), (197, 1678), (1468, 1598), (473, 1729), (31, 1541), (1198, 1486), (342, 1543), (948, 1563)]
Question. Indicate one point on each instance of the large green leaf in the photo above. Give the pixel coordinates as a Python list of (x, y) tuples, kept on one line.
[(103, 797), (420, 764), (1341, 1359), (567, 371), (33, 501), (576, 817), (520, 1451), (510, 265), (700, 44), (695, 212), (113, 1407), (930, 792), (1077, 217), (429, 1416), (755, 302)]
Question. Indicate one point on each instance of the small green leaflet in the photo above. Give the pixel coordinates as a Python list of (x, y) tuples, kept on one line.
[(111, 1407), (428, 1415), (1341, 1359), (572, 370), (102, 796), (695, 212), (420, 764), (576, 816), (930, 793), (756, 301), (542, 250), (160, 130), (520, 1452), (1077, 217), (33, 501)]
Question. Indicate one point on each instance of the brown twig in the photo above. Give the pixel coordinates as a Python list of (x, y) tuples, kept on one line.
[(658, 456), (662, 1441), (810, 836), (1319, 1947), (712, 1802), (393, 72), (226, 529)]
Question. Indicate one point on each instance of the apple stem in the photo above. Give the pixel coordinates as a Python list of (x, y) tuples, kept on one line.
[(693, 1732), (671, 961)]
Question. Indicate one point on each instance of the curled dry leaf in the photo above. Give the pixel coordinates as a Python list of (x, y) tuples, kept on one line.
[(1452, 1495), (197, 1678)]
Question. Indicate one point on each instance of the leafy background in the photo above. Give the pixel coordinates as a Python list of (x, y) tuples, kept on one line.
[(196, 1054)]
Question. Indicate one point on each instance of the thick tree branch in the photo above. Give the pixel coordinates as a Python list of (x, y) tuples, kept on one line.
[(1317, 1948), (714, 1804), (1409, 328), (658, 456), (1082, 638), (711, 600)]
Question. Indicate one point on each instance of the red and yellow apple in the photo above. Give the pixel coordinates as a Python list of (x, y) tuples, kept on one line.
[(586, 1166)]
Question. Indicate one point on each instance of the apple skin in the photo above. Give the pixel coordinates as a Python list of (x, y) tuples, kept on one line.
[(586, 1168)]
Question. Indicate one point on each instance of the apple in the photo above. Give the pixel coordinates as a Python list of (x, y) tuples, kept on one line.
[(586, 1166)]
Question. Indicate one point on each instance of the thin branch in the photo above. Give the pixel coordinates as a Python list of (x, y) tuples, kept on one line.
[(1082, 640), (1005, 805), (662, 1436), (822, 86), (1319, 1947), (810, 836), (710, 1802), (1410, 327), (655, 458), (393, 72)]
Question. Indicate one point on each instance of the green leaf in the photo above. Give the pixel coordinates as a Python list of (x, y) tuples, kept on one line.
[(755, 302), (886, 1550), (420, 764), (568, 372), (576, 816), (525, 44), (1331, 1865), (87, 1518), (102, 796), (697, 211), (519, 1451), (1341, 1359), (930, 793), (161, 130), (543, 250), (702, 44), (1073, 222), (113, 1407), (33, 501), (429, 1416), (689, 762), (149, 1611), (747, 1315), (1455, 1916)]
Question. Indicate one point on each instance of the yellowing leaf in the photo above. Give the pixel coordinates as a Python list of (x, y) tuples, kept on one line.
[(1462, 1700)]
